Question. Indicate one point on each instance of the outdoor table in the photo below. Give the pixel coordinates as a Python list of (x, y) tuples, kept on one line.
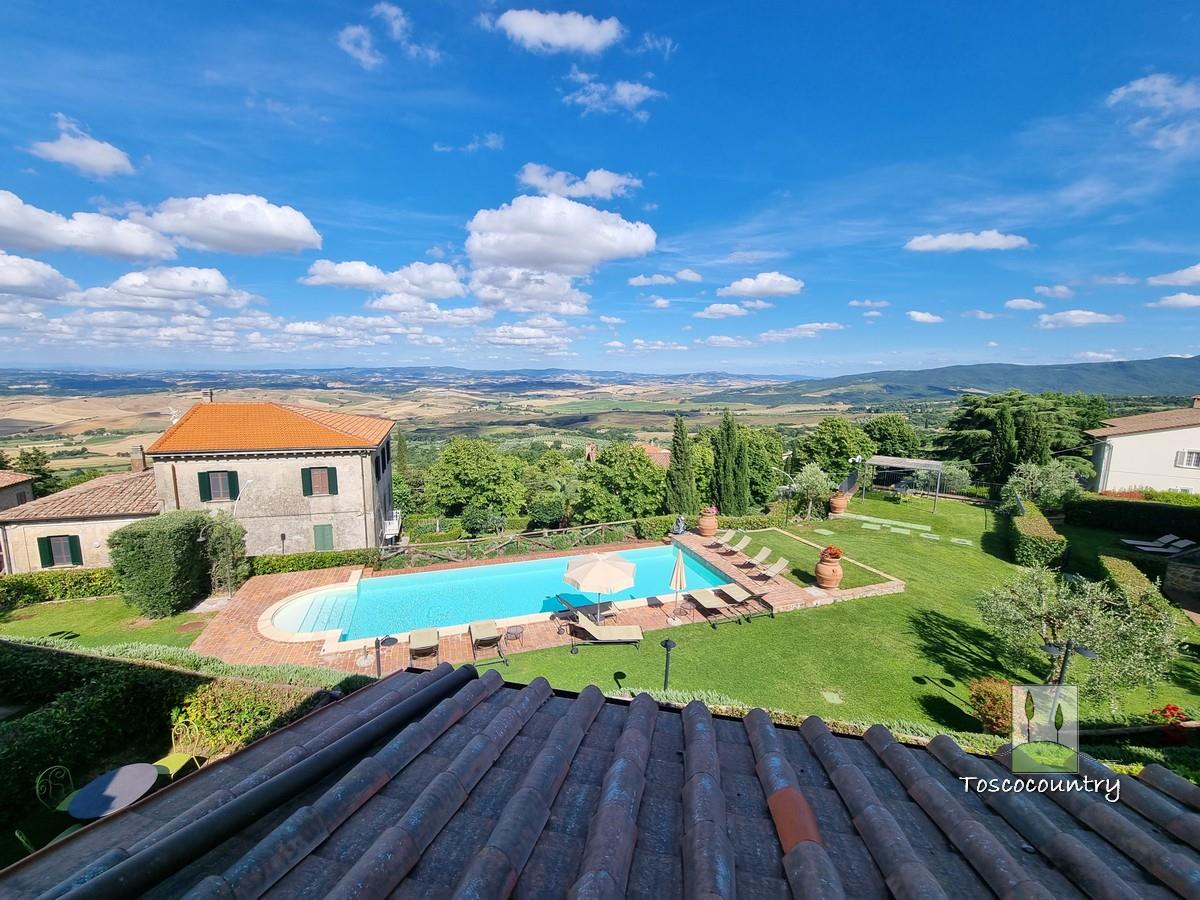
[(113, 790), (515, 633)]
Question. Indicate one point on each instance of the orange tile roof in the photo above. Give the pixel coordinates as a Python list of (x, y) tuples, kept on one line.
[(109, 496), (226, 427), (8, 478)]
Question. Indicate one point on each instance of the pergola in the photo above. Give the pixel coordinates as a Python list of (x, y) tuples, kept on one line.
[(911, 465)]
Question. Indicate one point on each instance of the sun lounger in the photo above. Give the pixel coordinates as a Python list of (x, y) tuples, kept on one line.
[(740, 598), (1170, 550), (1161, 542), (591, 633), (734, 549), (757, 560), (709, 604), (423, 643), (486, 636), (720, 540), (603, 610), (776, 567)]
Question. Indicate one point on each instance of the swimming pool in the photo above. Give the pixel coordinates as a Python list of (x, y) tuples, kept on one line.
[(394, 604)]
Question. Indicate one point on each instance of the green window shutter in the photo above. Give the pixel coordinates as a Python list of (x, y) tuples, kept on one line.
[(332, 479), (233, 485), (323, 537), (306, 482), (44, 551), (76, 550), (205, 487)]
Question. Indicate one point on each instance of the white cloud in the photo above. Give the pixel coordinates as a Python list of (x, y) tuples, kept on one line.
[(489, 140), (399, 29), (533, 334), (643, 280), (612, 320), (615, 345), (992, 344), (409, 309), (721, 340), (1121, 278), (643, 346), (1163, 110), (979, 314), (764, 284), (171, 288), (689, 275), (1182, 277), (235, 223), (660, 302), (356, 41), (1172, 301), (925, 318), (757, 304), (656, 43), (31, 278), (870, 304), (1098, 356), (427, 280), (872, 314), (952, 241), (554, 234), (528, 290), (1076, 318), (76, 148), (599, 183), (721, 311), (1162, 92), (807, 330), (30, 228), (1024, 303), (595, 96), (1057, 291), (552, 32)]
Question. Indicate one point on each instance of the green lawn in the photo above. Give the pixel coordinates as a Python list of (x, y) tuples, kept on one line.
[(896, 658), (94, 623)]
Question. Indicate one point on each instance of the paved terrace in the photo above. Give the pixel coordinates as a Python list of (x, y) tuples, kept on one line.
[(233, 634)]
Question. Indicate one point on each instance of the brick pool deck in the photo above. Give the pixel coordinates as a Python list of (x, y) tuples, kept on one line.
[(233, 634)]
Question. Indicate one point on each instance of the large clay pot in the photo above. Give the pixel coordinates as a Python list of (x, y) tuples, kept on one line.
[(829, 573), (706, 525), (838, 503)]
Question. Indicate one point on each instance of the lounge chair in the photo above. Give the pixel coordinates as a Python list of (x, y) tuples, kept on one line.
[(721, 539), (590, 633), (775, 569), (712, 606), (740, 598), (1163, 541), (756, 560), (1171, 549), (734, 549), (603, 610), (423, 643), (486, 636)]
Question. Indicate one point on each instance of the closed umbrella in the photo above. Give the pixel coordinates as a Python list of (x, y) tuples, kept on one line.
[(600, 573), (678, 577)]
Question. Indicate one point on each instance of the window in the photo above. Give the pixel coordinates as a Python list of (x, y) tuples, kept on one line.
[(323, 537), (218, 486), (1188, 459), (378, 468), (60, 550), (320, 481), (22, 497)]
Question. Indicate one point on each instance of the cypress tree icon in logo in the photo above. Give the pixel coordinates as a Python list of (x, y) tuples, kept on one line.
[(1045, 728)]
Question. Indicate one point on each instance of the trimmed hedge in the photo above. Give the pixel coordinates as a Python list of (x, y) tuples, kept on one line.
[(1133, 516), (1033, 539), (58, 584), (230, 714), (1127, 579), (1174, 498), (161, 562), (653, 527), (275, 563)]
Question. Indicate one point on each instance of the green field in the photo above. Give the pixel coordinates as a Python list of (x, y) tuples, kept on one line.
[(95, 623)]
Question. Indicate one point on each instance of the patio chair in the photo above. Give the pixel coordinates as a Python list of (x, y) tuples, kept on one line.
[(185, 745), (1171, 549), (740, 598), (773, 572), (486, 636), (603, 611), (1162, 542), (735, 549), (720, 540), (590, 633), (711, 606), (423, 643), (756, 560), (55, 788)]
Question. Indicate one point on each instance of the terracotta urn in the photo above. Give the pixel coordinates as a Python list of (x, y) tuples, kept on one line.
[(838, 503), (706, 525), (829, 569)]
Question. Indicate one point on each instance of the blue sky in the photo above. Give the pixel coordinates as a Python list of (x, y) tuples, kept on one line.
[(818, 188)]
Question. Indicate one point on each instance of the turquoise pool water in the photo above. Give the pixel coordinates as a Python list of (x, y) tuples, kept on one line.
[(397, 603)]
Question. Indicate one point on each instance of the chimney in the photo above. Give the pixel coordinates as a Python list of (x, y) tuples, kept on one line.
[(137, 458), (208, 395), (1196, 401), (589, 452)]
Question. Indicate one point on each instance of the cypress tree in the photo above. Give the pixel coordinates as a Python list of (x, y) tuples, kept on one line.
[(400, 453), (741, 473), (681, 477), (731, 476), (1004, 449)]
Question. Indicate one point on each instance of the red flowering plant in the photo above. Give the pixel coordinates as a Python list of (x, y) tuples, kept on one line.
[(708, 511), (832, 552), (1170, 714)]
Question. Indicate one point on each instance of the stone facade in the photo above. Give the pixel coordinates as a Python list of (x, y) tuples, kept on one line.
[(21, 540), (15, 494)]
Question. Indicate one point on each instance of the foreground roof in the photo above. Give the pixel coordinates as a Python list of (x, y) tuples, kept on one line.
[(8, 478), (1155, 421), (446, 784), (106, 497), (217, 427)]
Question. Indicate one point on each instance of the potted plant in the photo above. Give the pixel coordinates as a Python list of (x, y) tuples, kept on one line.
[(838, 503), (707, 523), (829, 568), (1173, 718)]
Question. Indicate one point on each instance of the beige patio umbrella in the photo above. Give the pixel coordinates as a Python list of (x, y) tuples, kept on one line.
[(678, 578), (600, 573)]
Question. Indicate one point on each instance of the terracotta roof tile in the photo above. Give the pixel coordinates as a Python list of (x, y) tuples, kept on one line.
[(8, 478), (233, 427), (124, 494), (1155, 421)]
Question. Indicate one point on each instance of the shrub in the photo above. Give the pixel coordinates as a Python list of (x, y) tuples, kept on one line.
[(1133, 516), (546, 510), (56, 584), (1047, 486), (276, 563), (479, 519), (161, 563), (991, 700), (1033, 540), (230, 714), (1175, 498), (1127, 579), (437, 537)]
